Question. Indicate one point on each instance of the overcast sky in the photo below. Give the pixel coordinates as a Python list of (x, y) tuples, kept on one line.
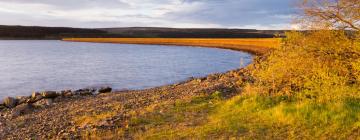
[(257, 14)]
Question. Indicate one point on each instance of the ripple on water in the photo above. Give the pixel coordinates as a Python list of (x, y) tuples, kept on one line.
[(27, 66)]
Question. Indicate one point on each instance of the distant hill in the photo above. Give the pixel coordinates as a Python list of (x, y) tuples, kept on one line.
[(36, 32), (192, 32)]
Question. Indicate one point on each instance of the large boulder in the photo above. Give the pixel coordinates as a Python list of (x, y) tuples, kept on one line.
[(49, 94), (10, 102), (105, 90)]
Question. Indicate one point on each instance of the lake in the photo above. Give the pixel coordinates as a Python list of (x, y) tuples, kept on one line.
[(27, 66)]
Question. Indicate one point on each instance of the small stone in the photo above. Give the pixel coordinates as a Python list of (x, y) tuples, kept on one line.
[(49, 94), (63, 92), (92, 90), (40, 103), (10, 102), (86, 93), (35, 98), (21, 109), (22, 99), (68, 94), (49, 102), (105, 90)]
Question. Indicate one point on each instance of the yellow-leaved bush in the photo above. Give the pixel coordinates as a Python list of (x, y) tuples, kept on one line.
[(321, 65)]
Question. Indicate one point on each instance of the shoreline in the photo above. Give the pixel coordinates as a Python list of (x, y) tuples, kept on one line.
[(66, 109), (256, 46)]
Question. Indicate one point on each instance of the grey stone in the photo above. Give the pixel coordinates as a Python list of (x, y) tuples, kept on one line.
[(68, 94), (44, 102), (22, 99), (49, 94), (105, 90), (84, 93), (35, 98), (49, 102), (21, 109)]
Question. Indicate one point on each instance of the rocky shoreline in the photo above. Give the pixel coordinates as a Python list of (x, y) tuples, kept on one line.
[(72, 114), (55, 115), (22, 104)]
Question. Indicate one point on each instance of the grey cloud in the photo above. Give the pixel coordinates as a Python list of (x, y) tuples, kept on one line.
[(238, 12), (217, 13), (77, 4)]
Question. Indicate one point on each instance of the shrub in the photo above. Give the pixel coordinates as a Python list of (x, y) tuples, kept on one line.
[(317, 64)]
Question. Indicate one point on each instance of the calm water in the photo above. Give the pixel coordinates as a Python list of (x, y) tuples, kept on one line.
[(27, 66)]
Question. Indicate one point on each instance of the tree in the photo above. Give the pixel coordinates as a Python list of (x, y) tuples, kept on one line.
[(331, 14)]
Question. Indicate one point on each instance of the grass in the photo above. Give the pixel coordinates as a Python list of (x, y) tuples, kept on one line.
[(93, 118), (255, 45), (308, 88)]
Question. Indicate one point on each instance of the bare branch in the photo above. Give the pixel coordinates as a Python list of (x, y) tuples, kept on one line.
[(334, 14)]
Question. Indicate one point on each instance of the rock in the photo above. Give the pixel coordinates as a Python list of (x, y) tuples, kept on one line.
[(93, 90), (78, 91), (22, 99), (21, 109), (105, 90), (10, 102), (41, 103), (34, 98), (68, 94), (49, 102), (64, 92), (49, 94), (84, 92), (45, 102)]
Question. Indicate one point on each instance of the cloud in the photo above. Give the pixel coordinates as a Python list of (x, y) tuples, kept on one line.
[(74, 4), (259, 14), (238, 12)]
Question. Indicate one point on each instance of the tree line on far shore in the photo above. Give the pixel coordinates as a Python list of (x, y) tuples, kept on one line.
[(37, 32)]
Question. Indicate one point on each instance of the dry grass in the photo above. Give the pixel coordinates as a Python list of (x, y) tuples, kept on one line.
[(255, 45)]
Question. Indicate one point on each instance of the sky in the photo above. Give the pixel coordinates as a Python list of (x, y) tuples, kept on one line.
[(254, 14)]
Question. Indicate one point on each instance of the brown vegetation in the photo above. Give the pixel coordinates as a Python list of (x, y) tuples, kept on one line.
[(256, 46)]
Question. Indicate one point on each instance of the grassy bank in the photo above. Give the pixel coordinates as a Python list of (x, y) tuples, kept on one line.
[(256, 46), (309, 88)]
